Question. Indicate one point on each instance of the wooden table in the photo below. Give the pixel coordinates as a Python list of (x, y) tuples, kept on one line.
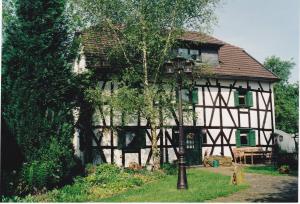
[(255, 153), (243, 152)]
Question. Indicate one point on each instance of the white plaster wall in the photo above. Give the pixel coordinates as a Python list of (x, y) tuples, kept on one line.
[(273, 109), (131, 157), (244, 119), (253, 116), (199, 116), (227, 151), (79, 65), (227, 121), (172, 155), (144, 155)]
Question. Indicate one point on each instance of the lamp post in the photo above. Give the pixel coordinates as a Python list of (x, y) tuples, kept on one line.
[(180, 65)]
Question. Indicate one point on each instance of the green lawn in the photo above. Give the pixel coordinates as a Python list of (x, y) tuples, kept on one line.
[(202, 186), (107, 183), (268, 170)]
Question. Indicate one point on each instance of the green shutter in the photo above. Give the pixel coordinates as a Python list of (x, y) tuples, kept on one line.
[(238, 138), (195, 96), (249, 98), (236, 98), (251, 138)]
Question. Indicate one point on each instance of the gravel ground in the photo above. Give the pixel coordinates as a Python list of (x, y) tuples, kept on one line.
[(263, 188)]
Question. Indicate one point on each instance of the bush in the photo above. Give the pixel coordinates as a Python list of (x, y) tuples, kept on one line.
[(170, 169), (104, 173), (284, 169), (51, 169)]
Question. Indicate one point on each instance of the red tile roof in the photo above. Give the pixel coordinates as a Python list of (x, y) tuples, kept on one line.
[(234, 61)]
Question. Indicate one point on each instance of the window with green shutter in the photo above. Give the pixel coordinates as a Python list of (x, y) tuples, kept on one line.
[(195, 96), (249, 98), (243, 98), (245, 137), (237, 138), (251, 136)]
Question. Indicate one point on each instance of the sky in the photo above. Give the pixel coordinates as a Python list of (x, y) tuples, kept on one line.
[(261, 27)]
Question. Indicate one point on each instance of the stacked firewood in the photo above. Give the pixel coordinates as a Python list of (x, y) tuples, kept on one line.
[(223, 160)]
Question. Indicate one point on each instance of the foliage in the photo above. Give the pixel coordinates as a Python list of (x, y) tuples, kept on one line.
[(286, 107), (203, 186), (169, 169), (143, 33), (55, 165), (102, 181), (38, 89), (156, 188), (268, 170), (282, 68), (284, 169), (286, 95)]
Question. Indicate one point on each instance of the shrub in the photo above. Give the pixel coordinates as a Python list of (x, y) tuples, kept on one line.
[(284, 169), (169, 169), (104, 173), (53, 166)]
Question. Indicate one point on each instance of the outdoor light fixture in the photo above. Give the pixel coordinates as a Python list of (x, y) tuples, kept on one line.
[(180, 65)]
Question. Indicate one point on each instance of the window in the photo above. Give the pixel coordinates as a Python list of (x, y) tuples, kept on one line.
[(131, 139), (183, 52), (190, 97), (243, 98), (245, 137), (280, 138), (195, 54), (190, 140), (210, 56), (187, 53)]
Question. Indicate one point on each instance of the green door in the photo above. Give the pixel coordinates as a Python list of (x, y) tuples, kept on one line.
[(193, 147)]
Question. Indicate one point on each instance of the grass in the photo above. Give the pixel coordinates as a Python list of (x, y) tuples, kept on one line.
[(202, 186), (112, 185), (102, 181), (268, 170)]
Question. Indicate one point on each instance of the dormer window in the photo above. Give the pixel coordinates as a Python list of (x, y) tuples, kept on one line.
[(210, 56), (195, 54)]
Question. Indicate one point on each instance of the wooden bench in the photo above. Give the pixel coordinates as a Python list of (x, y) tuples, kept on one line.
[(243, 152)]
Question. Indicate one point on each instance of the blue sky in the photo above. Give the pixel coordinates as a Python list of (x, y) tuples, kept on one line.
[(261, 27)]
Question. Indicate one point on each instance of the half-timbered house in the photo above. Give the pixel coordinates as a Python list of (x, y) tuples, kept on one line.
[(234, 107)]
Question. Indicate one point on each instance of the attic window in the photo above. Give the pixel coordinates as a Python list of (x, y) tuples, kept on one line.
[(193, 54), (183, 52), (210, 56)]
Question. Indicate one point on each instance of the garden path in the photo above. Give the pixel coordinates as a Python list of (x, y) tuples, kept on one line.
[(263, 188)]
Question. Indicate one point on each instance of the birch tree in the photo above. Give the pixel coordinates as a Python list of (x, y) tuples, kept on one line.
[(144, 31)]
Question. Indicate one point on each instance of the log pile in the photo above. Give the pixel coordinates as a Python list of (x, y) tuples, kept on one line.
[(223, 160)]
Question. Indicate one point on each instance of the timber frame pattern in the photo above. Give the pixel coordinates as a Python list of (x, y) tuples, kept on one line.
[(219, 136)]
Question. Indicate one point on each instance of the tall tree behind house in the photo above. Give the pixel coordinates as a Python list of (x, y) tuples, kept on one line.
[(286, 95)]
